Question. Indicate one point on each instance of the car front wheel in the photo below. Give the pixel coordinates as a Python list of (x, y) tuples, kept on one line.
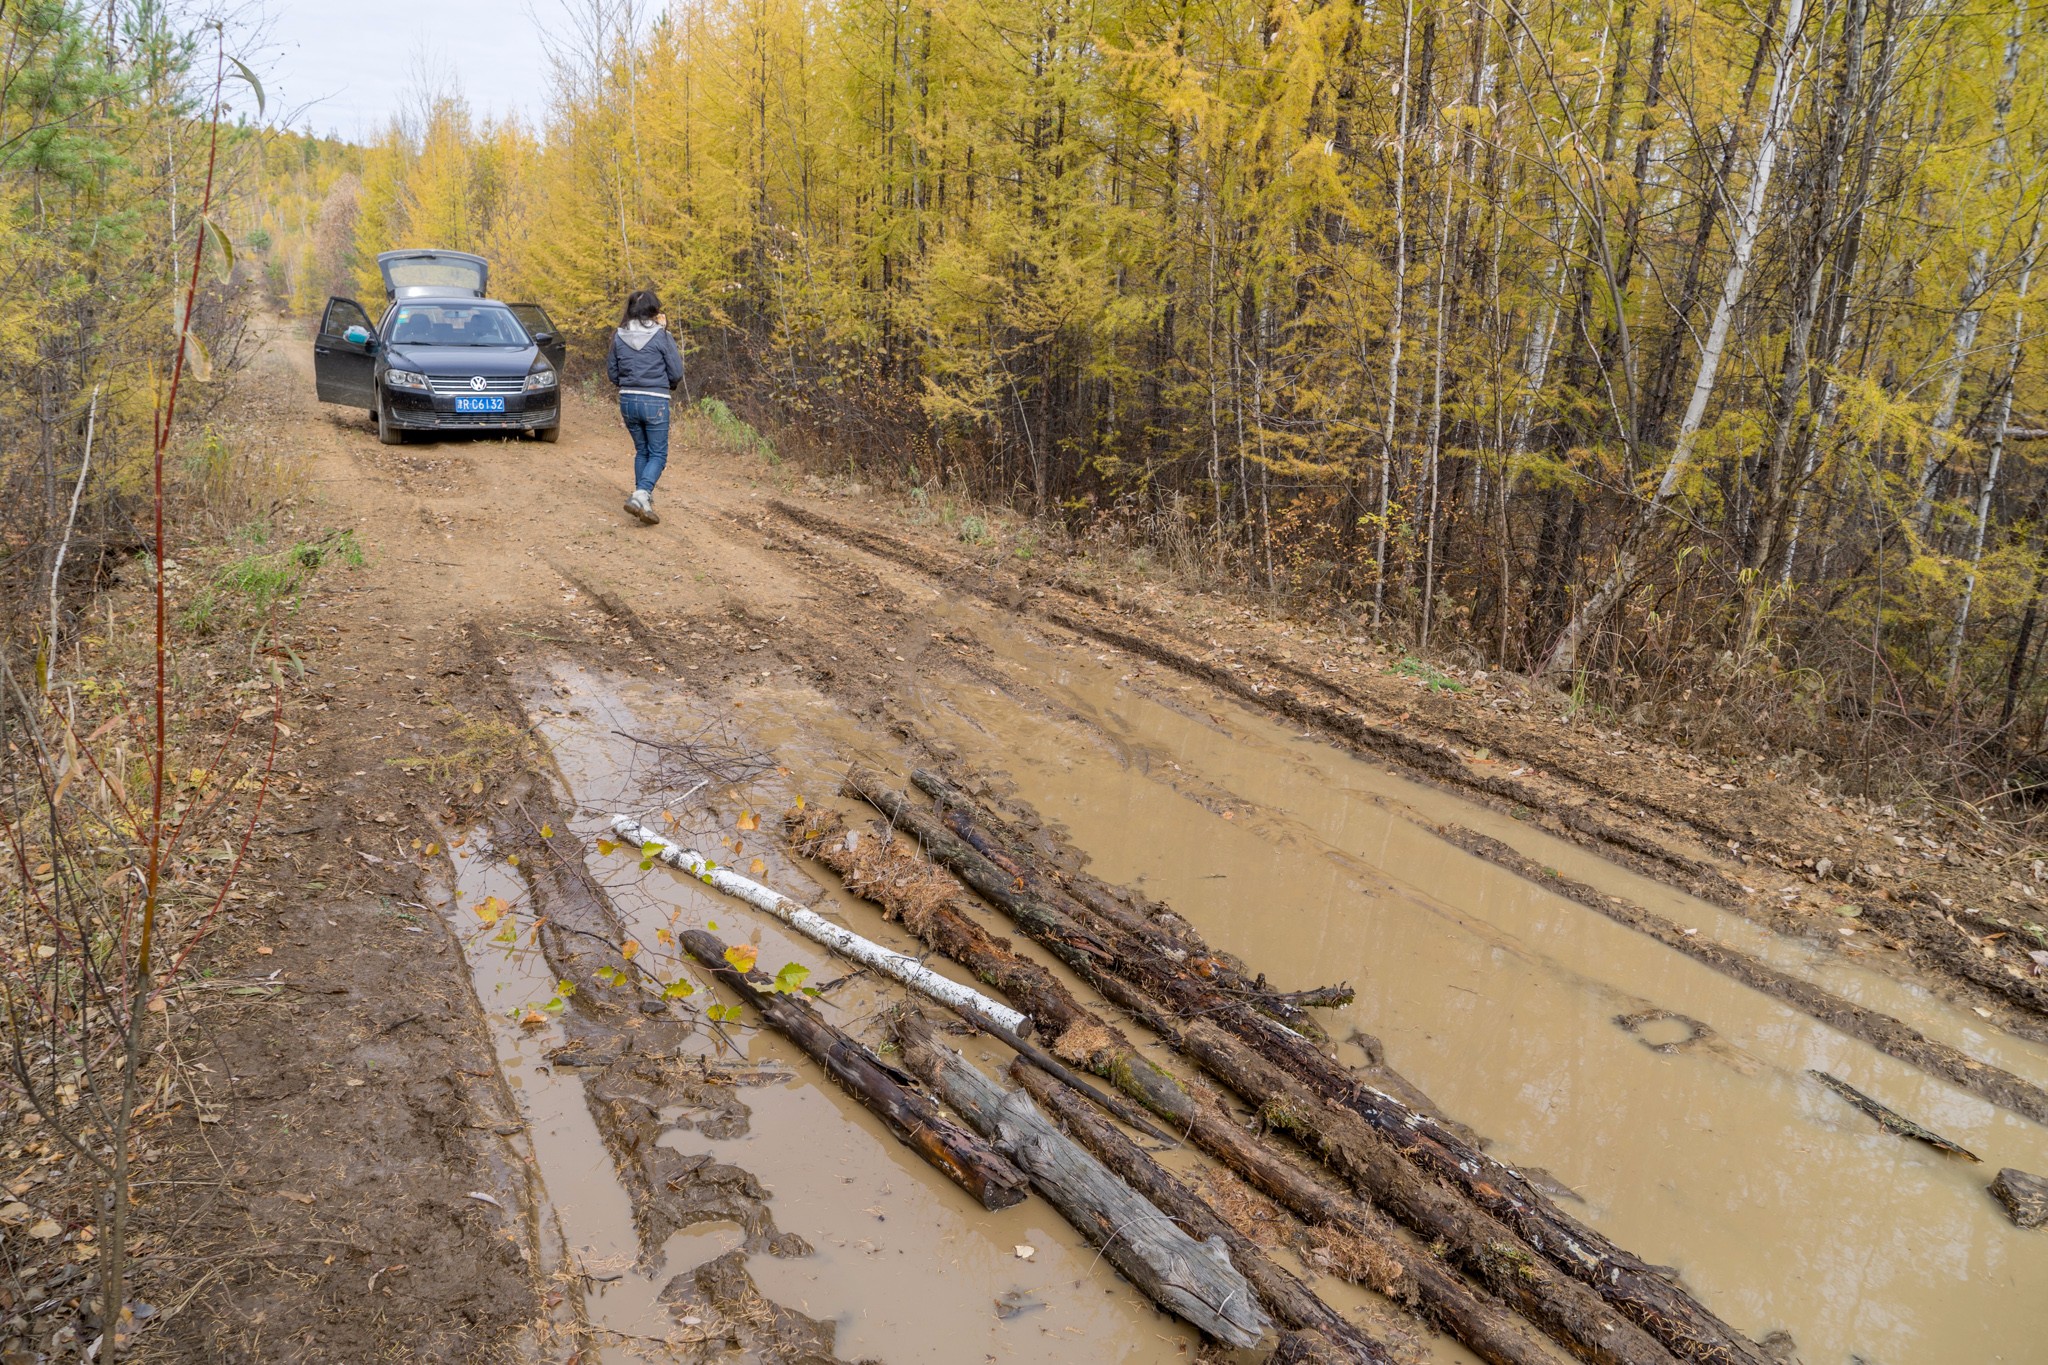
[(549, 434), (388, 433)]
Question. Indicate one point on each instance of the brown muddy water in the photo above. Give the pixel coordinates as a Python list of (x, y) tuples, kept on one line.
[(1690, 1133)]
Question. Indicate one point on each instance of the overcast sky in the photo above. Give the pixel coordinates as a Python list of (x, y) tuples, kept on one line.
[(344, 66)]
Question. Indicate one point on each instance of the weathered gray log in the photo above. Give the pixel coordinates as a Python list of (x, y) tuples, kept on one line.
[(895, 880), (959, 1155), (1493, 1224), (1190, 1279), (1292, 1303)]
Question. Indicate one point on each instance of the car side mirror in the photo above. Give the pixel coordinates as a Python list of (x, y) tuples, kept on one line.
[(543, 338), (356, 336)]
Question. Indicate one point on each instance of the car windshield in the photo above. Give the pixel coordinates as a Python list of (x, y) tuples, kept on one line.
[(456, 324)]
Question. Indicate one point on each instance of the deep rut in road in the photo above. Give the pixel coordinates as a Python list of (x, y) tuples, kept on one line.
[(1521, 1013)]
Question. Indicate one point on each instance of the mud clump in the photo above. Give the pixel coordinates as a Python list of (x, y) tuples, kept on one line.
[(2024, 1196), (720, 1311), (673, 1190)]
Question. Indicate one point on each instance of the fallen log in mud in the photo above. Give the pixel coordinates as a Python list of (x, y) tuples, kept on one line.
[(816, 927), (917, 894), (1290, 1302), (1092, 901), (1191, 1279), (960, 1156), (1891, 1120), (1495, 1225)]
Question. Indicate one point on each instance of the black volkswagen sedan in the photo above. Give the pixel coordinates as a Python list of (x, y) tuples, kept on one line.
[(444, 357)]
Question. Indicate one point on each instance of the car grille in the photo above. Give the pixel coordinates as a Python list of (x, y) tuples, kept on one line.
[(503, 383), (481, 419)]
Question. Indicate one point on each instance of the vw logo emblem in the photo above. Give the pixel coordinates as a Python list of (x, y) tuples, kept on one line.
[(478, 382)]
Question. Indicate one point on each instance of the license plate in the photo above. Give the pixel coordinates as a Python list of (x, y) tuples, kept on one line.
[(470, 404)]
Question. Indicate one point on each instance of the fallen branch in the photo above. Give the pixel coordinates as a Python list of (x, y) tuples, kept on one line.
[(816, 927), (1190, 1279), (1890, 1119), (960, 1156)]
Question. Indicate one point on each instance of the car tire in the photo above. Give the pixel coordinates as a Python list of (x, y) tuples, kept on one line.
[(387, 432), (549, 434)]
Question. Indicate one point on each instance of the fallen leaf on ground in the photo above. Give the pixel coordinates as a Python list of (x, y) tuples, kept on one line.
[(45, 1230)]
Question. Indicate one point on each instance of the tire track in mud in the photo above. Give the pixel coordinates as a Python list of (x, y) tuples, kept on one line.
[(1436, 763), (1441, 766), (1888, 1035), (625, 1062)]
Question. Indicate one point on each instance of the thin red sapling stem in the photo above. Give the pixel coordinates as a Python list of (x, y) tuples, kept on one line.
[(117, 1224)]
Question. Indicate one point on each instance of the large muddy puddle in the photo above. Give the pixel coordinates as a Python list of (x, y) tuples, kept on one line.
[(1672, 1102)]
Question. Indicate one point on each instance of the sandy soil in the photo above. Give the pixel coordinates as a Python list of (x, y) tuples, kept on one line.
[(362, 1111)]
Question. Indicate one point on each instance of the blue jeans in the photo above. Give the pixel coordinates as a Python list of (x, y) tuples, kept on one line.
[(647, 423)]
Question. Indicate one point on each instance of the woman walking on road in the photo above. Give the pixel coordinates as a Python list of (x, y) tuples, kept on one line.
[(646, 366)]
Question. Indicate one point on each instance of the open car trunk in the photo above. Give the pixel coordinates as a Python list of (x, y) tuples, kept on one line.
[(412, 274)]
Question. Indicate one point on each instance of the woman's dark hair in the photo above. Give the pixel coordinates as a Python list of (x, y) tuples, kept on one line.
[(641, 306)]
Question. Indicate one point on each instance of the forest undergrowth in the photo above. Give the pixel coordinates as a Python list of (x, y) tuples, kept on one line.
[(150, 561)]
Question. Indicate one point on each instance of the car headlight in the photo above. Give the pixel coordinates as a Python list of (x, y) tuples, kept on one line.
[(405, 379), (540, 379)]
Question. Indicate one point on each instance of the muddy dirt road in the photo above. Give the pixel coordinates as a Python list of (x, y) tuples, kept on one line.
[(1606, 962)]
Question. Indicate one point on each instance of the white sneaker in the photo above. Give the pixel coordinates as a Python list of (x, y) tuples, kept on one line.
[(641, 505)]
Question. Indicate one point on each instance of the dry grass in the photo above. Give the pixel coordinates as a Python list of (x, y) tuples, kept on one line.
[(884, 870)]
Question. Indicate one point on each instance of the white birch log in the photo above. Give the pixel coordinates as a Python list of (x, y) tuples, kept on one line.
[(816, 927)]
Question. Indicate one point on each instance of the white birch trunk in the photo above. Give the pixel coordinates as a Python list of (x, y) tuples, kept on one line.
[(1434, 451), (816, 927), (1963, 339), (1777, 114), (1379, 584), (1995, 458)]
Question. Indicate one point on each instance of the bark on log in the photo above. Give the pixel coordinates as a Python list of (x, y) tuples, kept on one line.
[(1118, 907), (1190, 1279), (1291, 1303), (1394, 1154), (1396, 1268), (959, 1155)]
